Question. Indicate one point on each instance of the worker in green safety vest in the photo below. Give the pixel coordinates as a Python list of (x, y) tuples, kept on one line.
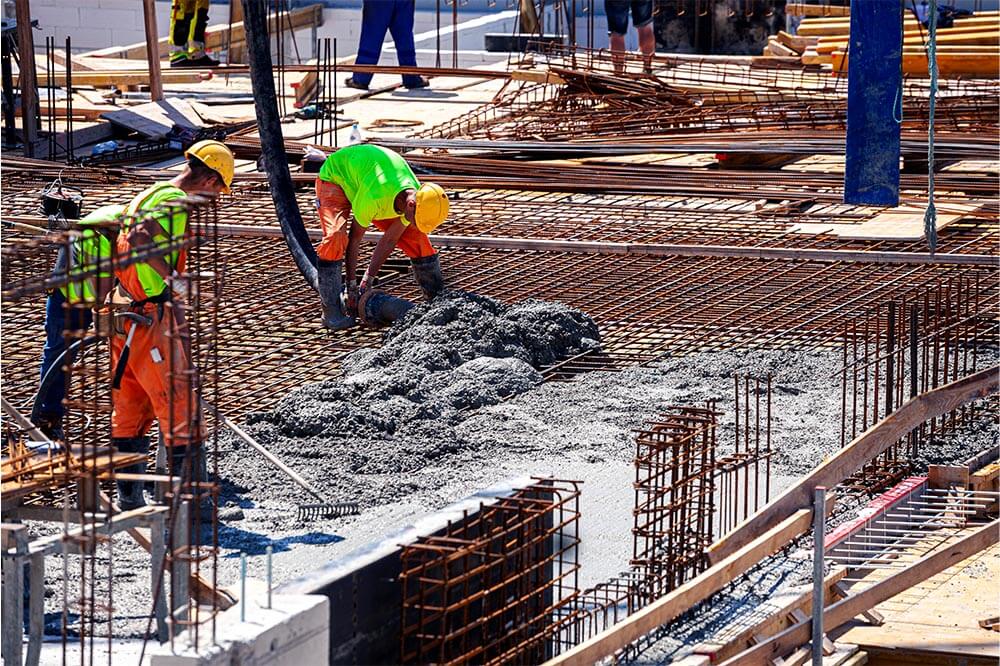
[(68, 308)]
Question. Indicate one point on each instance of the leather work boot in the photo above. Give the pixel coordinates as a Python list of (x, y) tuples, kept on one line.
[(330, 288), (427, 273), (130, 495)]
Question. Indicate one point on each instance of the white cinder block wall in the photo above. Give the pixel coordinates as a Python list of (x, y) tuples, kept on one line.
[(98, 24)]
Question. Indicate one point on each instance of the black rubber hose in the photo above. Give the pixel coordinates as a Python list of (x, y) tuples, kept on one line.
[(272, 142), (68, 355)]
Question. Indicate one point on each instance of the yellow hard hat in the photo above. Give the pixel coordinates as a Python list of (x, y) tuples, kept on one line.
[(432, 207), (216, 157)]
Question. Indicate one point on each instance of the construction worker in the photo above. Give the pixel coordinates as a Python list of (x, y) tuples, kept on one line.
[(379, 187), (69, 309), (188, 20), (157, 379), (617, 12), (377, 16)]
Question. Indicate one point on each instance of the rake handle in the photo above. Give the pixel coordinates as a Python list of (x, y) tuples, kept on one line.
[(292, 474)]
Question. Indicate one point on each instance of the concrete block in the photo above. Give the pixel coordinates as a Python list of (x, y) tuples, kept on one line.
[(296, 630), (56, 17), (86, 39), (126, 36), (121, 4), (119, 19)]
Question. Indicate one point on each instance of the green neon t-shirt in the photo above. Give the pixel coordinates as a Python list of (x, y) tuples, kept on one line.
[(89, 253), (172, 220), (371, 177)]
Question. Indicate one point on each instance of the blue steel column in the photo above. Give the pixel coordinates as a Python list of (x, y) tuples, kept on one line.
[(874, 102)]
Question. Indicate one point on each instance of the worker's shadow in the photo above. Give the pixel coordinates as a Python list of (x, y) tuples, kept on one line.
[(254, 543), (403, 95)]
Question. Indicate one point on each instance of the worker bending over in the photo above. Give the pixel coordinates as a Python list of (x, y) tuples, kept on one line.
[(68, 309), (379, 187), (158, 373)]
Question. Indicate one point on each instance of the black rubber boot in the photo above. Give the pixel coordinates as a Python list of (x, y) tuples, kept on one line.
[(427, 273), (330, 288), (190, 463), (130, 495), (51, 426)]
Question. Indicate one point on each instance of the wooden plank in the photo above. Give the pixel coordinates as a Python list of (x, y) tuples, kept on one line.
[(902, 223), (986, 478), (29, 85), (775, 622), (203, 589), (842, 611), (864, 448), (842, 26), (981, 38), (946, 476), (216, 35), (155, 119), (802, 9), (674, 603), (950, 65), (779, 49), (122, 78), (155, 78), (796, 42)]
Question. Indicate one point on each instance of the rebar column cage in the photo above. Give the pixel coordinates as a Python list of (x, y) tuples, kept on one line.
[(488, 590), (674, 496)]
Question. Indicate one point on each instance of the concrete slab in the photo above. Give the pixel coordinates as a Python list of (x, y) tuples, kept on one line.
[(295, 630)]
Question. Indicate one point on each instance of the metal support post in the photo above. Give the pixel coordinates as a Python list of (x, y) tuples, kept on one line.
[(36, 609), (15, 537), (180, 567), (819, 530), (158, 551)]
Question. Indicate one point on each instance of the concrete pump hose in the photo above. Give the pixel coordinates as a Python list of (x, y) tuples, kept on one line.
[(271, 142)]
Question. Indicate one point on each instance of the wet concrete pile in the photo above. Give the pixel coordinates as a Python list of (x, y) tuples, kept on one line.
[(395, 409)]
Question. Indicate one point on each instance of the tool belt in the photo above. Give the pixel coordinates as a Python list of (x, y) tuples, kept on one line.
[(120, 300)]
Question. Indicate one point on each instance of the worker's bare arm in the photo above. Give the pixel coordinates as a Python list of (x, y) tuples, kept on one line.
[(353, 248), (384, 248)]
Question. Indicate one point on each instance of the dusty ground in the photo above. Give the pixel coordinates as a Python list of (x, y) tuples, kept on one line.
[(481, 417)]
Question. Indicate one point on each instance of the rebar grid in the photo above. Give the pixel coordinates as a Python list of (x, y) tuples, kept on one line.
[(904, 346), (489, 589), (666, 204)]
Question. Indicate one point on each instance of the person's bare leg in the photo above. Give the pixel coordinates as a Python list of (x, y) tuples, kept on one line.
[(618, 52), (647, 44)]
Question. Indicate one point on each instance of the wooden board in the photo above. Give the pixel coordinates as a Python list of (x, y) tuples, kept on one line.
[(938, 619), (903, 223), (155, 119)]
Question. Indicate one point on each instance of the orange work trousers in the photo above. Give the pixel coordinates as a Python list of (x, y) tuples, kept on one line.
[(158, 382), (334, 212)]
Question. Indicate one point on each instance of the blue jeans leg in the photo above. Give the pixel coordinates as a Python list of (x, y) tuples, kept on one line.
[(57, 320), (401, 29), (375, 18)]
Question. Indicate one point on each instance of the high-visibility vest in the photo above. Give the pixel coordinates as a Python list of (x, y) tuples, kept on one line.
[(89, 257), (140, 279)]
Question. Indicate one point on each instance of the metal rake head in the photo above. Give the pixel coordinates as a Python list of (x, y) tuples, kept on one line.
[(310, 512)]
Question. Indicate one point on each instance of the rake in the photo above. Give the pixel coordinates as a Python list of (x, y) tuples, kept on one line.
[(307, 512)]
